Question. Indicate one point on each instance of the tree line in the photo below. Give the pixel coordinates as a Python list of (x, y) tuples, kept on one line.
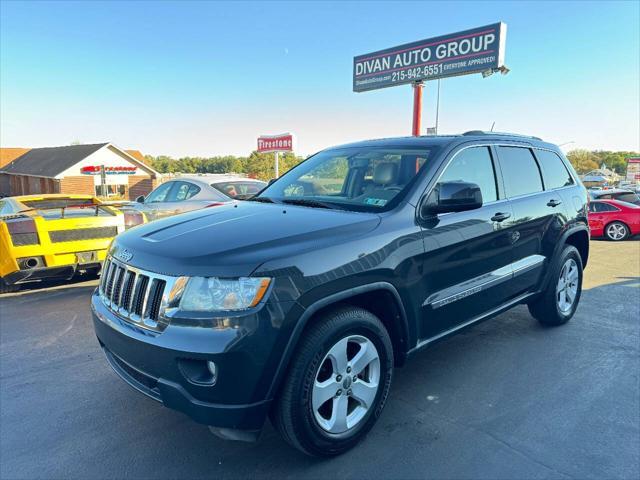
[(260, 165), (256, 165), (586, 160)]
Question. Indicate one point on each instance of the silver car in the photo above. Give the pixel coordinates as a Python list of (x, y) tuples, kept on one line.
[(184, 194)]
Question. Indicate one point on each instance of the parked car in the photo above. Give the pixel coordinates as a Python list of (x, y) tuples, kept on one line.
[(613, 219), (238, 188), (186, 193), (616, 194), (299, 303), (56, 236)]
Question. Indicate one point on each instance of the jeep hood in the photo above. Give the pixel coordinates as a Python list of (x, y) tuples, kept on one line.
[(233, 240)]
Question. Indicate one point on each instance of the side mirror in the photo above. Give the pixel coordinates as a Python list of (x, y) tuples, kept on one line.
[(452, 197), (140, 199), (271, 182)]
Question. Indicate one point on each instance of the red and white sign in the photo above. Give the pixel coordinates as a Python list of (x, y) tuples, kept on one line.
[(275, 143), (633, 169), (119, 170)]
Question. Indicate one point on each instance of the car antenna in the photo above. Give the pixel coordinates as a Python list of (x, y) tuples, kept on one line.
[(493, 125)]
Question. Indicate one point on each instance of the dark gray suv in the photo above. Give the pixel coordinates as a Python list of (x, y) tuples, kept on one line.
[(298, 304)]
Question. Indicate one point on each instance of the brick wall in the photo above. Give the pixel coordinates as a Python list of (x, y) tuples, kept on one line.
[(12, 185), (80, 185), (140, 185)]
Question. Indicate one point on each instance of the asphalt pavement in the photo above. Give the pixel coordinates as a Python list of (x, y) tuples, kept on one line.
[(504, 399)]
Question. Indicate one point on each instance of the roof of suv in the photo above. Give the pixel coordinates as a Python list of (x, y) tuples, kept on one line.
[(442, 140)]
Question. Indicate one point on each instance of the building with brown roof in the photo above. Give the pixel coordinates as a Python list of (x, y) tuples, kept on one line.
[(76, 169)]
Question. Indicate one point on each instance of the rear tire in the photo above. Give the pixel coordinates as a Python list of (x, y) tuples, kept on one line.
[(6, 288), (616, 231), (557, 304), (337, 383)]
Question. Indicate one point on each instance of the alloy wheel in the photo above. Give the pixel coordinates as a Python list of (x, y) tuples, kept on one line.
[(616, 231), (567, 288), (346, 384)]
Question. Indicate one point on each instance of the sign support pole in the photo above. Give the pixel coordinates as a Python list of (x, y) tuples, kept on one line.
[(275, 154), (103, 181), (417, 108)]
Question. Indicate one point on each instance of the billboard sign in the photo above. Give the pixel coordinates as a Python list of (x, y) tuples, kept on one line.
[(633, 169), (275, 143), (471, 51)]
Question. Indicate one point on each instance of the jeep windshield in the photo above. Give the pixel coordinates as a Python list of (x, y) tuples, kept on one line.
[(368, 179)]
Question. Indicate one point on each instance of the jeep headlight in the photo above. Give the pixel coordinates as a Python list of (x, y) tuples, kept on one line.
[(210, 294)]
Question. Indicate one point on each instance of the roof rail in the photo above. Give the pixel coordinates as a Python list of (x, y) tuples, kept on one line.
[(481, 132)]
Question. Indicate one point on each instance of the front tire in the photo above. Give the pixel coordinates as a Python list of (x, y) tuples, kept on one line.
[(616, 231), (559, 301), (337, 384)]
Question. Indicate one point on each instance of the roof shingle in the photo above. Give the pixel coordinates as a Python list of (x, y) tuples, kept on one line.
[(50, 161)]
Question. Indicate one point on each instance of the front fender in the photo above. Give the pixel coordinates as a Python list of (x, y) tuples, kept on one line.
[(306, 313)]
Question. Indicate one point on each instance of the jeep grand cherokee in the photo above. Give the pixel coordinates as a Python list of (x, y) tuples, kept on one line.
[(298, 304)]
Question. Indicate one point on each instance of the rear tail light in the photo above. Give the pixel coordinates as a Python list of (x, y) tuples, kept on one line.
[(214, 204), (23, 231), (131, 219)]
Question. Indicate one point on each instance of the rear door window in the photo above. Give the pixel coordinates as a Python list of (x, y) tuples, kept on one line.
[(555, 173), (520, 171)]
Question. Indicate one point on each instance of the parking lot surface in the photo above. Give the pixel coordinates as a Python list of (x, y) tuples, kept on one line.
[(504, 399)]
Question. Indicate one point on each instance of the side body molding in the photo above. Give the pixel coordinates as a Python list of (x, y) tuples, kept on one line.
[(482, 282)]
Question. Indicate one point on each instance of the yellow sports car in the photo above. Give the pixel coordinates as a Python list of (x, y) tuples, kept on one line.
[(54, 236)]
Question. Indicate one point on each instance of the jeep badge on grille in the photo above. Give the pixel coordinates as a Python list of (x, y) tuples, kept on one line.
[(124, 255)]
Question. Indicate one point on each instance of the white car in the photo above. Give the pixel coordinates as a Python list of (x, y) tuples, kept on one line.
[(186, 193)]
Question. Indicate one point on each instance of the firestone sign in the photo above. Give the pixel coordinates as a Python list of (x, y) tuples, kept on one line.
[(275, 143), (471, 51), (96, 170)]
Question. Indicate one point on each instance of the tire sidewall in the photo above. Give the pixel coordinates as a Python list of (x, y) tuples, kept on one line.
[(606, 233), (569, 253), (322, 442)]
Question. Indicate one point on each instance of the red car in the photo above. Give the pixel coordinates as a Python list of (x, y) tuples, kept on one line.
[(613, 219)]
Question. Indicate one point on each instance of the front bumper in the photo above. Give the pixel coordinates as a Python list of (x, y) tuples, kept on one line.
[(65, 272), (164, 366)]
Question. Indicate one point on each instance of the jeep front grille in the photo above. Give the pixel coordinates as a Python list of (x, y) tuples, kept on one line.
[(135, 295), (57, 236)]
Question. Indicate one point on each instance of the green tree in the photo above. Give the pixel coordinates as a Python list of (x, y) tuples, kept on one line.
[(583, 160)]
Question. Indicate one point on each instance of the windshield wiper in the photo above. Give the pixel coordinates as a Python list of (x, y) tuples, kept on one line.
[(261, 199), (307, 202)]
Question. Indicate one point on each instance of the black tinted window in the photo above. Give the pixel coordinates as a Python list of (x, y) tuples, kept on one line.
[(555, 173), (520, 171), (602, 207), (627, 197), (473, 165)]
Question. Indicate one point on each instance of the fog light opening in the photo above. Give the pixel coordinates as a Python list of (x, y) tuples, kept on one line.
[(213, 370)]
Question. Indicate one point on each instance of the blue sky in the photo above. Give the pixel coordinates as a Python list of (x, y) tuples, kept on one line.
[(205, 78)]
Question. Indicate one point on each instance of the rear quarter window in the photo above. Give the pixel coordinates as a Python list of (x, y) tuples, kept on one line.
[(554, 172)]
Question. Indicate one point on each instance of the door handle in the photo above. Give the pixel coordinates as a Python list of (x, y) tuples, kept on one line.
[(500, 216), (553, 203)]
